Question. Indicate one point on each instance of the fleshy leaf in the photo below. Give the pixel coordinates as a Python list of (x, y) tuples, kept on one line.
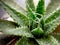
[(5, 25), (50, 27), (53, 16), (21, 31), (25, 41), (40, 7), (18, 17), (52, 7), (31, 4), (47, 41)]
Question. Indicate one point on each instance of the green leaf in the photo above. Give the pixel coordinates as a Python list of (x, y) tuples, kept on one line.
[(37, 31), (18, 17), (40, 7), (50, 27), (52, 7), (42, 23), (53, 16), (6, 25), (21, 31), (47, 41), (25, 41), (31, 14), (32, 17), (31, 4)]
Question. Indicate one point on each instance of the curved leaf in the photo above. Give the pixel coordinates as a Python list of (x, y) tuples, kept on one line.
[(52, 7), (18, 17), (25, 41), (6, 25), (21, 31), (32, 16), (47, 41)]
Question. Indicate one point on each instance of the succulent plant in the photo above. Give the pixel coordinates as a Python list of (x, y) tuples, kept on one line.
[(35, 25)]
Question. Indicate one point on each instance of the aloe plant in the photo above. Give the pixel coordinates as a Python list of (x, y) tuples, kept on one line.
[(35, 25)]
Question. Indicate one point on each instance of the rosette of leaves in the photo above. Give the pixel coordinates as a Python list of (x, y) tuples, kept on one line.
[(35, 25)]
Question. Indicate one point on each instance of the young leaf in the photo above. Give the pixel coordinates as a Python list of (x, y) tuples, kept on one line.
[(21, 31), (18, 17), (25, 41), (31, 4), (53, 16), (5, 25), (47, 41), (50, 27), (40, 7), (52, 7), (37, 32)]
